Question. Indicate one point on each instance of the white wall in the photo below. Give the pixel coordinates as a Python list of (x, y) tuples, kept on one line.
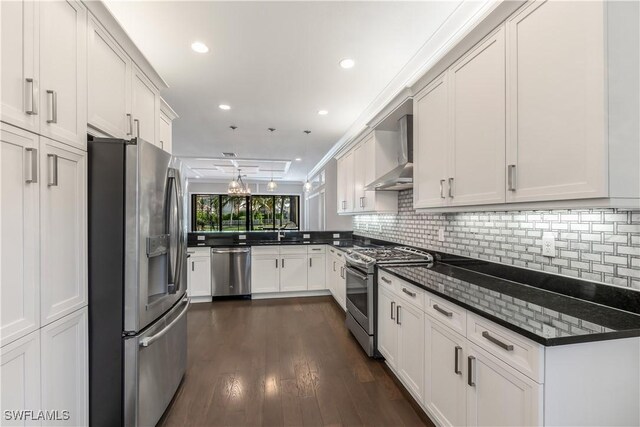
[(332, 221)]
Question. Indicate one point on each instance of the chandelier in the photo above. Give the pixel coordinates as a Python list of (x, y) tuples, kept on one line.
[(237, 186)]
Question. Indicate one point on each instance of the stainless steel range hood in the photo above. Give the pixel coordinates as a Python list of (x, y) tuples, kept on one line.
[(401, 176)]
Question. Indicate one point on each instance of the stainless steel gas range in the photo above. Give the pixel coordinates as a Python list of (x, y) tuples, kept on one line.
[(361, 287)]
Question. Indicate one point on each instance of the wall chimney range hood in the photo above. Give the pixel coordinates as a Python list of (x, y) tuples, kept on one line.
[(401, 176)]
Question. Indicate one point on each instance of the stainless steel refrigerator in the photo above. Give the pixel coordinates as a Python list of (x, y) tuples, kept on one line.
[(137, 282)]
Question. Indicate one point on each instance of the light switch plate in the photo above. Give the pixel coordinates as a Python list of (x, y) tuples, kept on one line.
[(306, 236), (200, 237), (336, 235), (548, 244), (242, 237)]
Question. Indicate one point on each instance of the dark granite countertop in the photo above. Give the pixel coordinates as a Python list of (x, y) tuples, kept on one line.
[(593, 312), (263, 238)]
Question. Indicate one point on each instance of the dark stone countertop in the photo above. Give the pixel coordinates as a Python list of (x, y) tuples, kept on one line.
[(579, 311)]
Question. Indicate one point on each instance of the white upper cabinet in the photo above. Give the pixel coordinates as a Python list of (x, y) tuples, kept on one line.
[(165, 131), (19, 174), (430, 147), (63, 72), (63, 237), (346, 180), (109, 83), (146, 107), (477, 144), (557, 147), (20, 79)]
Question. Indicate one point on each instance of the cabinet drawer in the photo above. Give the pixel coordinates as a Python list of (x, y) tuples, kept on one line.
[(524, 355), (198, 252), (316, 249), (386, 281), (447, 313), (293, 249), (410, 293), (265, 250)]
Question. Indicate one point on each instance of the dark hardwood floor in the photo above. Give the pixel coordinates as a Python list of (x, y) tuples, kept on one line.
[(285, 362)]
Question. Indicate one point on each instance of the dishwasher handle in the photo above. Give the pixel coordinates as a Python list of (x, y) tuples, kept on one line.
[(231, 251)]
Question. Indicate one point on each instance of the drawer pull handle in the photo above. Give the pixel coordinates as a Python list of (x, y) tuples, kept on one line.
[(398, 314), (511, 174), (408, 292), (471, 371), (385, 280), (32, 166), (496, 341), (52, 100), (32, 110), (316, 249), (393, 304), (439, 309), (442, 196), (456, 369)]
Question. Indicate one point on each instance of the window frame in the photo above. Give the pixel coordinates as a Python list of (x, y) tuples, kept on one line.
[(249, 209)]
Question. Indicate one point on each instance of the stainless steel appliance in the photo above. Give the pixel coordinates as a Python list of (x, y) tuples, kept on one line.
[(137, 282), (361, 290), (230, 271), (401, 176)]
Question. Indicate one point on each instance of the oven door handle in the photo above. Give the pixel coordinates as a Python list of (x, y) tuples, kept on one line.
[(357, 274)]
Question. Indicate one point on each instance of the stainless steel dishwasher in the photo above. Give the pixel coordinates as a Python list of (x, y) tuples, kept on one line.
[(230, 271)]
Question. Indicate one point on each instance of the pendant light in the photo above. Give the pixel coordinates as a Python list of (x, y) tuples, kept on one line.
[(272, 185), (307, 185), (238, 187)]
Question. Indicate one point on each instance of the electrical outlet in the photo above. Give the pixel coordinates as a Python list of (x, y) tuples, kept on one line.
[(441, 234), (549, 331), (548, 244)]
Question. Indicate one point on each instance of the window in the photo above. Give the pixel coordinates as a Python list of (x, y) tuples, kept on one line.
[(221, 212)]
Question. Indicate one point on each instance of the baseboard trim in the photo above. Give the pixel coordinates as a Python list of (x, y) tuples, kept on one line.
[(293, 294), (200, 299)]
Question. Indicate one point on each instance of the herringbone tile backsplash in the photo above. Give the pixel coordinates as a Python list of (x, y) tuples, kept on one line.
[(601, 245)]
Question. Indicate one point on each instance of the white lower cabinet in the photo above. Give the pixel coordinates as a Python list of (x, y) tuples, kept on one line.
[(337, 277), (316, 278), (293, 274), (387, 328), (199, 273), (265, 273), (64, 368), (499, 395), (411, 348), (20, 377), (445, 386)]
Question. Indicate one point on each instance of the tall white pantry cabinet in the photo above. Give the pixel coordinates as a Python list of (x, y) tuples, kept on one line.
[(67, 69)]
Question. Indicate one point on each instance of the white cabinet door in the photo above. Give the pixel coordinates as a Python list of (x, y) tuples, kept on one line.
[(431, 138), (19, 290), (411, 348), (331, 274), (63, 226), (109, 83), (146, 107), (293, 274), (65, 374), (265, 273), (359, 171), (341, 284), (199, 276), (387, 327), (445, 385), (556, 143), (19, 80), (368, 157), (20, 377), (499, 395), (477, 85), (316, 278), (63, 71), (346, 181), (165, 139)]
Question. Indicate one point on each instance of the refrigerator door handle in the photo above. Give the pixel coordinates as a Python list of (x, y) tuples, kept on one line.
[(178, 264), (147, 341)]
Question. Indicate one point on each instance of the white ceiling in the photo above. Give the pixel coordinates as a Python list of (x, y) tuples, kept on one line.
[(276, 65)]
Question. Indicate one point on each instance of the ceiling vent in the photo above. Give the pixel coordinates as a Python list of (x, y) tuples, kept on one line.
[(229, 155)]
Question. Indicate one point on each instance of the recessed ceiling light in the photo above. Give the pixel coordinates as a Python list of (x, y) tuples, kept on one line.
[(298, 159), (224, 107), (199, 47), (347, 63), (323, 112)]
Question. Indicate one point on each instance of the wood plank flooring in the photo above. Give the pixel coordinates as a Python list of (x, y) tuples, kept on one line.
[(284, 362)]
